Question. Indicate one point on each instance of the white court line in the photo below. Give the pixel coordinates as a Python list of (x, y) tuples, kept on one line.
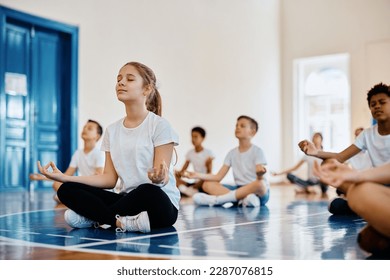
[(318, 226), (208, 250), (59, 235), (184, 231), (82, 248), (22, 243), (17, 231), (34, 211)]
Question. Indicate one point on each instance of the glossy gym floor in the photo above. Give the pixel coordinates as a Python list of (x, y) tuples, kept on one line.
[(291, 227)]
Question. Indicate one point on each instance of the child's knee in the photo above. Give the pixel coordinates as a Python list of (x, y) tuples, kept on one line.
[(63, 190), (261, 187), (207, 186), (355, 195)]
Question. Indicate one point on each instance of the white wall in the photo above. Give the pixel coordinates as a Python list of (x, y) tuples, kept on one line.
[(215, 60), (321, 27)]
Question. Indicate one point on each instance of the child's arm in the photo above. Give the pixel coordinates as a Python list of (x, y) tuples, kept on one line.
[(209, 177), (99, 170), (40, 177), (161, 163), (295, 167), (70, 171), (336, 174), (184, 168), (209, 165), (260, 171), (309, 149), (106, 180)]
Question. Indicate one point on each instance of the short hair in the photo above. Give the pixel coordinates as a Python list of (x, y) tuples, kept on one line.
[(99, 127), (377, 89), (200, 130), (252, 121), (319, 134)]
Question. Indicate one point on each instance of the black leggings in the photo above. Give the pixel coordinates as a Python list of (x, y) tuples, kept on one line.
[(101, 206)]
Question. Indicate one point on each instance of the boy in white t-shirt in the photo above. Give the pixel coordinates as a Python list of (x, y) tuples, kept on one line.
[(249, 171), (86, 161), (201, 160), (361, 161), (375, 140)]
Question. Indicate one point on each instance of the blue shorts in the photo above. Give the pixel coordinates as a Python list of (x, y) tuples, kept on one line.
[(263, 199)]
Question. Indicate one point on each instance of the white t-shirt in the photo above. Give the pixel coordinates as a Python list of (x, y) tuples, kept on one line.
[(310, 166), (86, 164), (132, 152), (244, 164), (376, 145), (198, 159), (361, 161)]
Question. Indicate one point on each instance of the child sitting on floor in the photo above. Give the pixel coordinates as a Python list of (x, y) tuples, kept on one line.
[(201, 160), (312, 180), (248, 163), (375, 140)]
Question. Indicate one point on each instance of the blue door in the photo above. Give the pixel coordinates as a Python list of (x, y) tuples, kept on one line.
[(37, 96)]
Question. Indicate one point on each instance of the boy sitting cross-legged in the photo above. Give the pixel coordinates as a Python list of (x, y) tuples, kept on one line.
[(375, 140), (248, 164)]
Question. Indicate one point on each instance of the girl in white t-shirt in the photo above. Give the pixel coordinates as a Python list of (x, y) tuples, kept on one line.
[(139, 149)]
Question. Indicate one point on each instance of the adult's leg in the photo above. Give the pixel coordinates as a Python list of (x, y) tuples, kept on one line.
[(90, 202), (149, 198)]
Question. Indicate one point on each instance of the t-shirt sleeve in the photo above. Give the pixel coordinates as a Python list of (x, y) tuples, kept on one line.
[(100, 159), (164, 134), (188, 155), (210, 154), (105, 146), (360, 141), (260, 157), (228, 159), (74, 162)]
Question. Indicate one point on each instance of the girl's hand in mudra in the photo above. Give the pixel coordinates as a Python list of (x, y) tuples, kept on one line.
[(55, 174), (159, 175)]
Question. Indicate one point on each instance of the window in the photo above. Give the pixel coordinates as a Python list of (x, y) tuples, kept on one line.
[(322, 100)]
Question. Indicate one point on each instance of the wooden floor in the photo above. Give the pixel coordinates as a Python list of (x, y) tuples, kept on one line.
[(290, 227)]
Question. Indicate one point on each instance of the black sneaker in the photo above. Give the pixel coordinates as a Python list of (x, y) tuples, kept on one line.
[(339, 206)]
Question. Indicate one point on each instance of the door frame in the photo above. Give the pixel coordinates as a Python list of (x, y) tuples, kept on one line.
[(71, 104)]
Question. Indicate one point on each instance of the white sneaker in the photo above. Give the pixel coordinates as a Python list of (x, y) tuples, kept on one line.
[(251, 200), (204, 199), (138, 222), (77, 221)]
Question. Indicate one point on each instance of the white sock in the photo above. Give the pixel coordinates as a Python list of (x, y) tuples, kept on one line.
[(229, 197)]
